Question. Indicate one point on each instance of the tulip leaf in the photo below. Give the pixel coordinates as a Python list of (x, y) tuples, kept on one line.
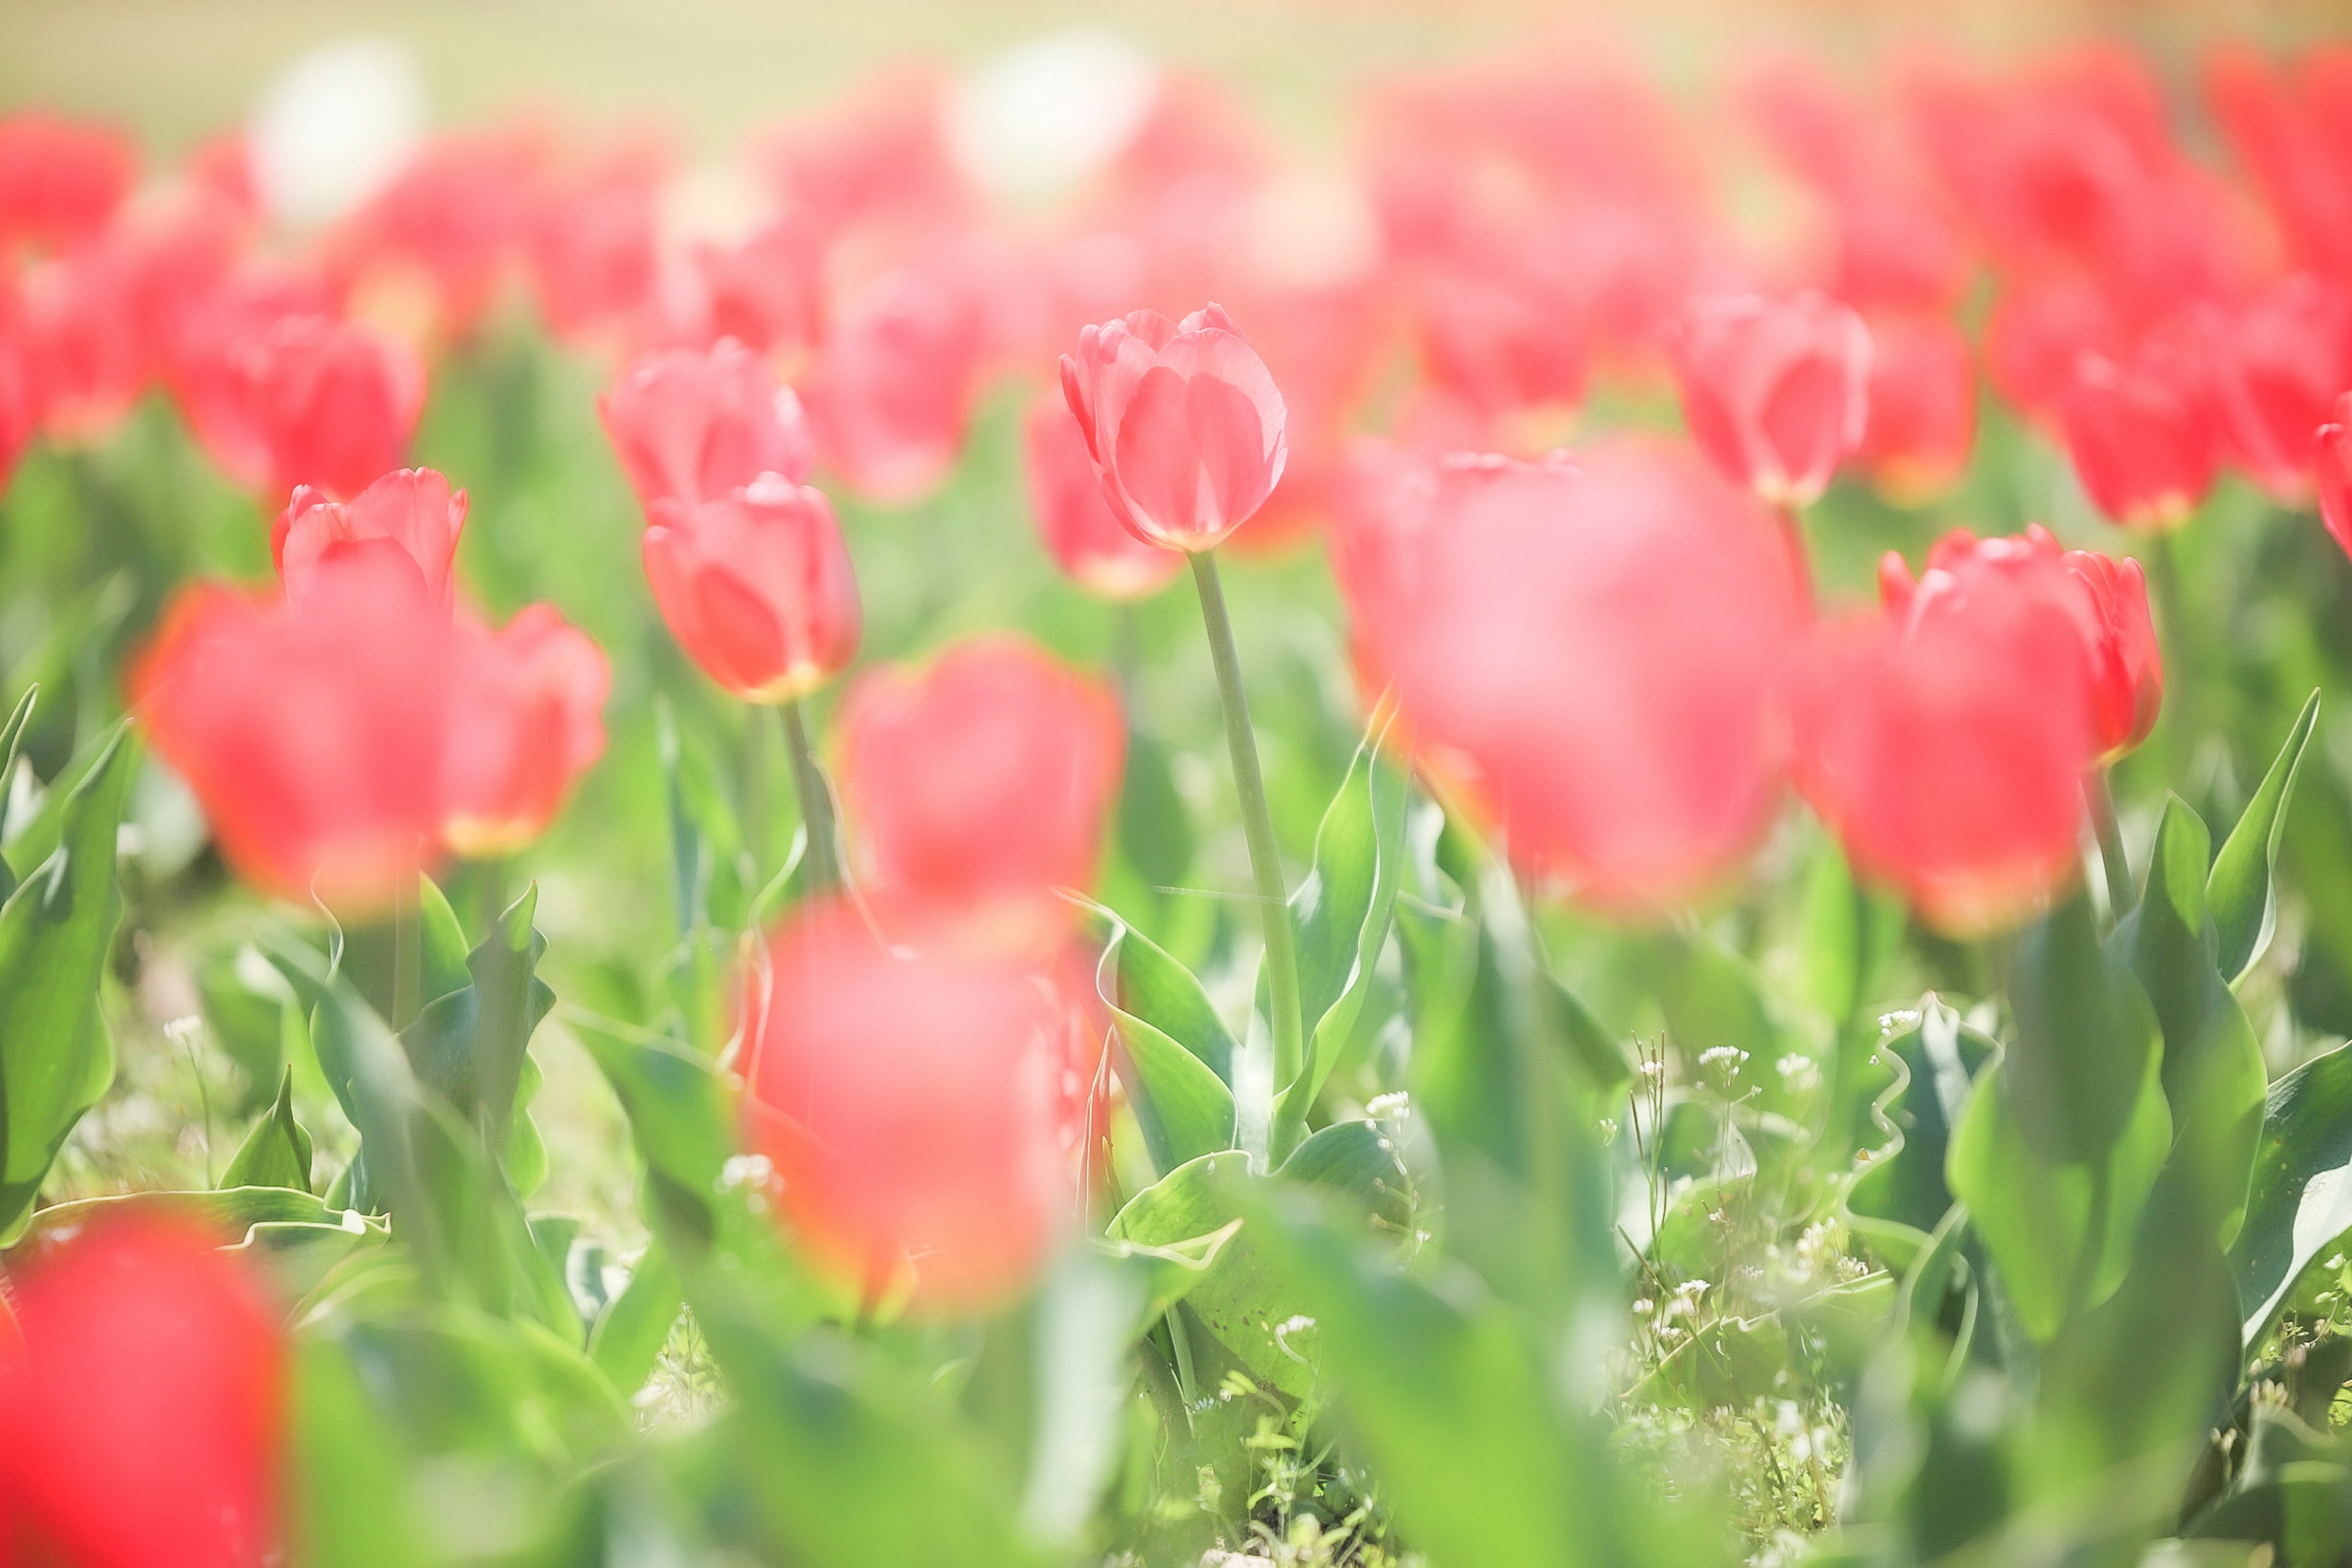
[(1938, 1059), (12, 742), (1168, 1270), (277, 1152), (2239, 891), (629, 1334), (2299, 1203), (469, 1044), (56, 930), (1155, 831), (1175, 1051), (1141, 982), (2085, 1038), (441, 945)]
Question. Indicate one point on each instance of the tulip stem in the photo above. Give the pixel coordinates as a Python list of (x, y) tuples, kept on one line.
[(816, 802), (1801, 558), (2121, 895), (755, 795), (1265, 863)]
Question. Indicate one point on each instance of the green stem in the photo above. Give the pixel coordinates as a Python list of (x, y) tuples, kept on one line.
[(815, 800), (2101, 798), (2183, 659), (1801, 559), (755, 794), (1266, 864)]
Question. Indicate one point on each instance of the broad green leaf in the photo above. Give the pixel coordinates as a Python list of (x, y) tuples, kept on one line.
[(2299, 1201), (2062, 1231), (2085, 1038), (369, 1075), (441, 943), (1169, 1271), (277, 1152), (468, 1045), (334, 1518), (56, 930), (1155, 831), (1847, 937), (1713, 998), (1137, 979), (12, 740), (2239, 890), (1173, 1047), (1937, 1059), (628, 1338), (1081, 1328), (228, 1212)]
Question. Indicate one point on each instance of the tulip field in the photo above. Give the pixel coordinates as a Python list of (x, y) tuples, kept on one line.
[(1610, 827)]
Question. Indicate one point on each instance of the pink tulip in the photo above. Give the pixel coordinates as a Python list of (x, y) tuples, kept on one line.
[(891, 393), (757, 587), (694, 424), (525, 721), (334, 403), (1776, 391), (410, 516), (1086, 537)]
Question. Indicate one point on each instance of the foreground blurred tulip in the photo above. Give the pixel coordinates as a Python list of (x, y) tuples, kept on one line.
[(2141, 432), (525, 722), (891, 393), (333, 403), (909, 1106), (1776, 391), (311, 732), (89, 357), (208, 355), (2331, 463), (1923, 406), (410, 517), (143, 1415), (978, 788), (694, 424), (16, 408), (1086, 537), (1595, 656), (2279, 360), (60, 180), (1185, 423), (757, 587)]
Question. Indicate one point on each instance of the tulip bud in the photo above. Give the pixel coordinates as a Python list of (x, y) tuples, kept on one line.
[(142, 1411), (1776, 391), (2279, 362), (1923, 406), (2331, 465), (2141, 433), (60, 180), (909, 1104), (978, 788), (757, 587), (1086, 537), (410, 516), (311, 732), (695, 424), (333, 403), (525, 721), (1183, 422), (892, 390)]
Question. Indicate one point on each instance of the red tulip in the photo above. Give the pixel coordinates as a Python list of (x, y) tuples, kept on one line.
[(333, 402), (591, 243), (2279, 360), (1776, 391), (896, 373), (1183, 422), (2102, 603), (977, 788), (206, 354), (60, 180), (439, 237), (18, 409), (694, 425), (757, 585), (2141, 432), (908, 1105), (1923, 406), (410, 517), (1500, 344), (2331, 463), (89, 357), (313, 732), (143, 1415), (2037, 335), (2282, 126), (525, 721), (768, 290), (1086, 537), (1596, 656)]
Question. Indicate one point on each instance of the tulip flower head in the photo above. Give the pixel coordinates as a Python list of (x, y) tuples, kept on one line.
[(1776, 391), (909, 1104), (2331, 465), (1183, 422), (978, 789), (694, 425), (890, 396), (143, 1415), (2279, 359), (90, 358), (525, 722), (410, 516), (2142, 432), (333, 403), (1077, 522), (16, 408), (1923, 406), (757, 587), (60, 180)]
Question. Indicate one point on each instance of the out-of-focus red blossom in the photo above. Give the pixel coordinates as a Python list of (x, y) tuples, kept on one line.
[(978, 788), (2286, 125), (334, 403), (1776, 391), (18, 407), (874, 162), (311, 731), (1923, 406), (590, 244), (1595, 656), (694, 424), (1183, 422), (2279, 359), (430, 247), (766, 290), (410, 517), (2037, 335), (60, 180), (1499, 343), (2331, 464), (207, 357), (891, 393), (90, 358), (2142, 432), (525, 722), (909, 1105), (1086, 537), (757, 587), (2104, 602), (142, 1402)]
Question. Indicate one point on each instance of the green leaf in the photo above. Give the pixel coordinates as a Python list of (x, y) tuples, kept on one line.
[(1155, 831), (441, 945), (1173, 1047), (1168, 1270), (2239, 890), (2085, 1038), (228, 1212), (277, 1152), (338, 1436), (628, 1337), (1137, 979), (1847, 937), (2299, 1203), (12, 742), (469, 1045), (56, 930), (1938, 1058)]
